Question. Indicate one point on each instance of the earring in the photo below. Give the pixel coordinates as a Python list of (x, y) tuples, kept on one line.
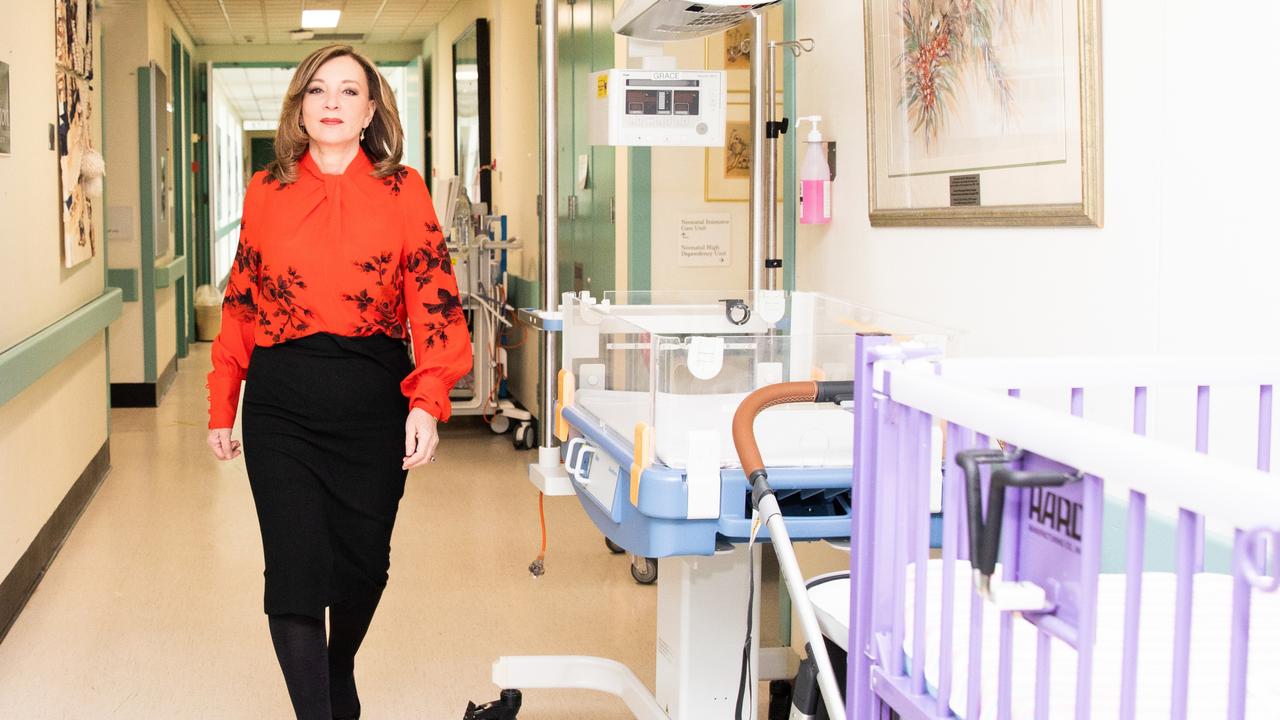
[(362, 133)]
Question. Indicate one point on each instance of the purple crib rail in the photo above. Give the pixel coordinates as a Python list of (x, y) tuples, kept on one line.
[(890, 536)]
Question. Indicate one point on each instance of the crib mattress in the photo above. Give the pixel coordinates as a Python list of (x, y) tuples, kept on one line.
[(1210, 650)]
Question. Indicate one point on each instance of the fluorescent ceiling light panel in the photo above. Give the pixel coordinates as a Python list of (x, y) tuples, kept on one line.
[(320, 18)]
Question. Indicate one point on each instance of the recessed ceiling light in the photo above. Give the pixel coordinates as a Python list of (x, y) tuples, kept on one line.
[(320, 18)]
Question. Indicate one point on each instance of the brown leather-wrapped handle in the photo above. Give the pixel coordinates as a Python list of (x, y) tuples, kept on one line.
[(744, 436)]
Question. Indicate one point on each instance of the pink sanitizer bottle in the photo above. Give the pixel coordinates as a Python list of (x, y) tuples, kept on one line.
[(815, 177)]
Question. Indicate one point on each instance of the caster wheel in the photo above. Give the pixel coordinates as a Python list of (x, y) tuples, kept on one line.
[(500, 424), (644, 570), (526, 436), (517, 437), (614, 547)]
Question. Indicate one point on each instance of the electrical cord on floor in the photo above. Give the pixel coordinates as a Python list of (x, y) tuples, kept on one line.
[(745, 695), (538, 567)]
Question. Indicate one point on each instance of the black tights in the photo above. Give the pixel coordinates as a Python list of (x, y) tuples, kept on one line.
[(320, 679)]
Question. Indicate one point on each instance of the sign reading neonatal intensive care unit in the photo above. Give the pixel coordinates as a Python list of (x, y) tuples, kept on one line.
[(703, 239)]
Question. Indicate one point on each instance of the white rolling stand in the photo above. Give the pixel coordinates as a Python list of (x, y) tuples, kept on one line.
[(701, 626)]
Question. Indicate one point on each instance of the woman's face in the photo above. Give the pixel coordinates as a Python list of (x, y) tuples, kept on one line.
[(336, 104)]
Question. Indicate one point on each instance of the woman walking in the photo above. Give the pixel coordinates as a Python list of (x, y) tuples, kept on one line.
[(340, 259)]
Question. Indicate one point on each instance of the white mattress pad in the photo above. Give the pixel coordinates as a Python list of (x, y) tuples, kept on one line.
[(1210, 650)]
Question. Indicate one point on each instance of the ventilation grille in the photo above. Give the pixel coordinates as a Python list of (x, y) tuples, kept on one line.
[(827, 503), (338, 37)]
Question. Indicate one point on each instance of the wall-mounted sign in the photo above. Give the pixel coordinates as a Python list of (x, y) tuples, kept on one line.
[(704, 239)]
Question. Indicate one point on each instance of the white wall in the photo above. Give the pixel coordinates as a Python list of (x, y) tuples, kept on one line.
[(1185, 255), (50, 431)]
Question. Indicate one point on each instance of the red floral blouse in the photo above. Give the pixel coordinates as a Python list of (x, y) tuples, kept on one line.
[(347, 254)]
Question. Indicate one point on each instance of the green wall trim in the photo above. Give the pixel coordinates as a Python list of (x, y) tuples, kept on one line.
[(170, 272), (126, 279), (789, 183), (233, 225), (639, 219), (25, 363), (148, 284)]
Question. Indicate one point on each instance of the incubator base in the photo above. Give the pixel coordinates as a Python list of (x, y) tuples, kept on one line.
[(702, 622)]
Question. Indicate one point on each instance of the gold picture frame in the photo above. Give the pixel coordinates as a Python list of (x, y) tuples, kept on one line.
[(727, 170), (731, 51), (1001, 128)]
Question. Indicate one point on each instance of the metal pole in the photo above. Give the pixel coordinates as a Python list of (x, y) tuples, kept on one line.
[(760, 106), (550, 214), (770, 172)]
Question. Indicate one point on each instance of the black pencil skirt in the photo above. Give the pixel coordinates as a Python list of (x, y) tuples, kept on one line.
[(323, 425)]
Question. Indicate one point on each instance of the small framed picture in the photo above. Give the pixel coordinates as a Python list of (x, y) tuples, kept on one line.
[(6, 128), (728, 168)]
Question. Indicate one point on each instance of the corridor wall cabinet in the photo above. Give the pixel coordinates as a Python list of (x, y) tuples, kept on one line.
[(988, 114)]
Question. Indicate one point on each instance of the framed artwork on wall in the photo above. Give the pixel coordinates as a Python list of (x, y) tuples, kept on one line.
[(731, 51), (5, 121), (78, 241), (728, 169), (985, 112), (73, 36), (73, 58)]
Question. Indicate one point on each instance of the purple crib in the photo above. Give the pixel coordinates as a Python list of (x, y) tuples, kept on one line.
[(1013, 617)]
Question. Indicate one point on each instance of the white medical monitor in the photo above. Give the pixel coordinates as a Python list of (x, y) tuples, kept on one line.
[(680, 108)]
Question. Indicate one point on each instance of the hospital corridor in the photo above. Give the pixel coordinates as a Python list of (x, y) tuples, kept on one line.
[(153, 609), (653, 359)]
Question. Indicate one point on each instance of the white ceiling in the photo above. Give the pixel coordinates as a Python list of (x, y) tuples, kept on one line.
[(259, 22), (256, 93)]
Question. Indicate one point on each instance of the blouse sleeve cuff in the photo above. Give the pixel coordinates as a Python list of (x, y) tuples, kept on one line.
[(224, 396), (432, 396)]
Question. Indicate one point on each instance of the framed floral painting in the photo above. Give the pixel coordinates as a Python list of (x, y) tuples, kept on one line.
[(984, 112)]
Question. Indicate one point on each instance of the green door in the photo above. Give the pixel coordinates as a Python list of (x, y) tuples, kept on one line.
[(262, 150), (587, 238), (180, 71), (566, 250)]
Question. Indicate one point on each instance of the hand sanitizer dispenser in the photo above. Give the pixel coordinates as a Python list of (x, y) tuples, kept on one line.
[(815, 177)]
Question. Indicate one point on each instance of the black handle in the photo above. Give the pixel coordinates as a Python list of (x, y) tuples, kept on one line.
[(984, 532), (834, 392)]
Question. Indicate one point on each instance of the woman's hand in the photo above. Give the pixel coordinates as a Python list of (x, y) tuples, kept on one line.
[(420, 438), (224, 448)]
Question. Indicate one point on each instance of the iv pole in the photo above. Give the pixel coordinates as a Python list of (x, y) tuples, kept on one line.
[(765, 261), (550, 227)]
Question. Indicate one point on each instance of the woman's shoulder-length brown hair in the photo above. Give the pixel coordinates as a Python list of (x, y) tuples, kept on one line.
[(383, 141)]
